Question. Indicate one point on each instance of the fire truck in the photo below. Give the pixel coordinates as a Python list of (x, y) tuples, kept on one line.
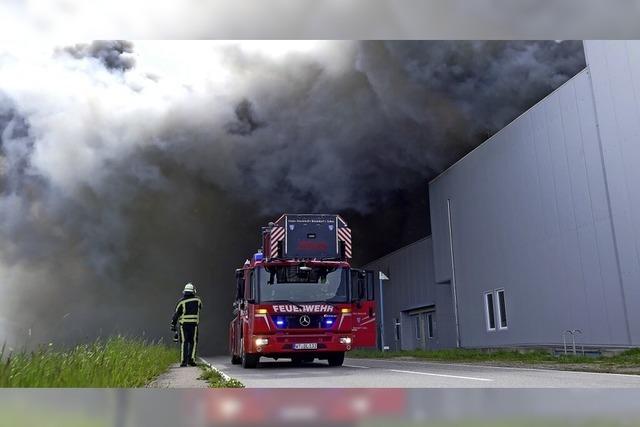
[(298, 297)]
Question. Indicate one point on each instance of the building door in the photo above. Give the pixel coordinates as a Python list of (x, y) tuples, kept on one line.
[(423, 328), (417, 326), (429, 326)]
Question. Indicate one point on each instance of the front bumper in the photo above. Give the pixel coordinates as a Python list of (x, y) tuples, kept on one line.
[(285, 345)]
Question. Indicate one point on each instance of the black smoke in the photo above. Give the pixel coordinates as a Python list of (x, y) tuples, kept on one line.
[(110, 203), (246, 121), (113, 54)]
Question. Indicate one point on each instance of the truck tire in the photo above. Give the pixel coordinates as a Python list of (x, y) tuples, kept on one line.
[(336, 359), (236, 360), (250, 361)]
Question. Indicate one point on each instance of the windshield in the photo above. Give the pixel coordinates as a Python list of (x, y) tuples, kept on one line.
[(303, 284)]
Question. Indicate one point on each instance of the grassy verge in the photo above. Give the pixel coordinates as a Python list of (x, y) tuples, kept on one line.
[(626, 362), (216, 380), (116, 362)]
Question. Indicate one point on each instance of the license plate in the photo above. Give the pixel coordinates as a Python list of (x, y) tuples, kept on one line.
[(305, 346)]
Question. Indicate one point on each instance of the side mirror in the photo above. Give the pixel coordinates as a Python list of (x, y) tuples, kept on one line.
[(361, 290), (272, 276), (239, 285)]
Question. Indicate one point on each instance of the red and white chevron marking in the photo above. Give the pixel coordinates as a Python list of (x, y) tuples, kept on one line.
[(277, 234), (344, 234)]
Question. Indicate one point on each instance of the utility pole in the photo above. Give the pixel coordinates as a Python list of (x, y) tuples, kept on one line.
[(453, 275)]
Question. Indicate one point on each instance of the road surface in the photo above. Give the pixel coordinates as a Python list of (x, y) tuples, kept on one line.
[(412, 374)]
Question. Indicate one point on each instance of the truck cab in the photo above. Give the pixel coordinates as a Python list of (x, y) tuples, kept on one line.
[(298, 299)]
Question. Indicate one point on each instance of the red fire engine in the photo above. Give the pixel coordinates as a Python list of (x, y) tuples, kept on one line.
[(299, 298)]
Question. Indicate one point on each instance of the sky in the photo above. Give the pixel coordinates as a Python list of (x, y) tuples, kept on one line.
[(312, 19), (128, 168)]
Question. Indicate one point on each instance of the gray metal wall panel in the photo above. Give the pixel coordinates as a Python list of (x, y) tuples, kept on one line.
[(615, 72), (412, 285), (530, 215)]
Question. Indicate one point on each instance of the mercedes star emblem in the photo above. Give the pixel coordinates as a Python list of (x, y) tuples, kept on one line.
[(305, 320)]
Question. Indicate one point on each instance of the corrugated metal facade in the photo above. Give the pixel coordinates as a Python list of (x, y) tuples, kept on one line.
[(615, 77), (411, 288), (547, 210)]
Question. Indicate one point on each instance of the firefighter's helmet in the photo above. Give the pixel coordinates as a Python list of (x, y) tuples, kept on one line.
[(189, 288)]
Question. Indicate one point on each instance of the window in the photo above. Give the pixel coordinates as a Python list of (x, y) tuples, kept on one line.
[(370, 286), (252, 286), (397, 323), (502, 309), (489, 311), (430, 333), (301, 285), (418, 331)]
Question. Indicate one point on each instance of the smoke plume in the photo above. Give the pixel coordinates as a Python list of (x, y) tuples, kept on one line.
[(111, 53), (122, 178)]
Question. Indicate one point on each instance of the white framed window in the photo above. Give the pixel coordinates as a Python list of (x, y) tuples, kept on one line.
[(502, 309), (489, 311), (418, 328), (430, 326)]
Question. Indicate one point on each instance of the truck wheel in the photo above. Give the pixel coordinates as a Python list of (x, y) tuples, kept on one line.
[(236, 360), (336, 359), (250, 361)]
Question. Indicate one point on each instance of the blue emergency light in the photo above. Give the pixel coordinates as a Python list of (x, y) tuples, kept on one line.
[(258, 256)]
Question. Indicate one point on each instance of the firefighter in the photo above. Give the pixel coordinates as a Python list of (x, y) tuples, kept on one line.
[(187, 317)]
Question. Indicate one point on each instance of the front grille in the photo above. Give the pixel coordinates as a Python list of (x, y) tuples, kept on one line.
[(293, 321)]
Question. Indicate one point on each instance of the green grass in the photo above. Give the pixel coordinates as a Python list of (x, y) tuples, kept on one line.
[(216, 380), (116, 362), (629, 360)]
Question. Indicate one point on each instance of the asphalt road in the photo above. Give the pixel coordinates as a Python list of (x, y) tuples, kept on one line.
[(412, 374)]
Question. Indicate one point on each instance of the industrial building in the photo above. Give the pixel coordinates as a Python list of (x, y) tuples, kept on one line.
[(536, 231)]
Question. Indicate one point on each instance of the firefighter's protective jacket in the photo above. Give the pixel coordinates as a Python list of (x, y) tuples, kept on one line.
[(187, 310)]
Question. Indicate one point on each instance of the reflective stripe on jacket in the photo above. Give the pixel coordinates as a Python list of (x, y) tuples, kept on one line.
[(187, 310)]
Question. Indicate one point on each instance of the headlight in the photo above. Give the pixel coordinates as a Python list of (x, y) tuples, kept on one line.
[(261, 341), (345, 340)]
